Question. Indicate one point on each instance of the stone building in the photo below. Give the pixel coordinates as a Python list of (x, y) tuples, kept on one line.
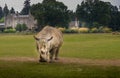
[(11, 20), (75, 23)]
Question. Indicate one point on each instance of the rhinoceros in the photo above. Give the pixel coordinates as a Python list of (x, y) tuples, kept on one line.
[(48, 42)]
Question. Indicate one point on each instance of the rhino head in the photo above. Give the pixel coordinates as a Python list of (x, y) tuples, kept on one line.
[(43, 47)]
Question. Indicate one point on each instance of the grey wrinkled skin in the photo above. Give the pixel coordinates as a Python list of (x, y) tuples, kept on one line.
[(48, 42)]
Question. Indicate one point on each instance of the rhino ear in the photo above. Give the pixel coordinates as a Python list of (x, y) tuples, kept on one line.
[(50, 38), (36, 38)]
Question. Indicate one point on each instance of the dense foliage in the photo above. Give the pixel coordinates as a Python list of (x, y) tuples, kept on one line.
[(5, 10), (26, 8), (100, 13), (1, 12), (51, 12), (12, 10)]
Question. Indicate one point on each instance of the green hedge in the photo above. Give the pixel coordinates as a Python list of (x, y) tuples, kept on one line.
[(70, 31), (87, 30), (9, 30)]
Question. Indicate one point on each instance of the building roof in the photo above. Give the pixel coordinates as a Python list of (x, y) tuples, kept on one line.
[(21, 16)]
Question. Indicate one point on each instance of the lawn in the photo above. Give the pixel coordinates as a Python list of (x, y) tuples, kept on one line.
[(55, 70), (93, 46), (17, 46), (81, 46)]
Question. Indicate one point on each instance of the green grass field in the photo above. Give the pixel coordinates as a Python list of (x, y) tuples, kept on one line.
[(81, 46), (93, 46)]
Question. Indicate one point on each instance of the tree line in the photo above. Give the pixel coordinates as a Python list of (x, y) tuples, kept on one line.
[(5, 11), (95, 13), (99, 13)]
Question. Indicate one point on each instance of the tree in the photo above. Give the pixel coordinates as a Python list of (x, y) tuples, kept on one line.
[(102, 13), (46, 1), (91, 11), (24, 27), (26, 8), (84, 12), (72, 15), (6, 10), (1, 12), (115, 20), (12, 10), (50, 12)]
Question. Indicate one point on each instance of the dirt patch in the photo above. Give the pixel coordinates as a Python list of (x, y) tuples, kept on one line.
[(19, 59), (100, 62)]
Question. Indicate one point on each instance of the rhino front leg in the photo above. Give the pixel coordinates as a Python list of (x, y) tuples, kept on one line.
[(48, 57), (52, 52)]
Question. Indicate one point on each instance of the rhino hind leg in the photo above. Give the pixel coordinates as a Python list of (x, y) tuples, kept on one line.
[(56, 54)]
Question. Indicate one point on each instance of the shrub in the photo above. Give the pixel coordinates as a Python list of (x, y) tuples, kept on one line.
[(70, 31), (24, 27), (74, 30), (83, 30), (94, 30), (12, 30), (116, 33), (100, 29), (21, 27), (67, 31), (104, 30), (62, 29), (107, 30), (18, 27), (9, 30)]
